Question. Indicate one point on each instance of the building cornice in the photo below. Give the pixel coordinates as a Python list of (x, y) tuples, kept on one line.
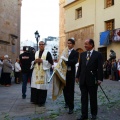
[(73, 3), (4, 42), (13, 36), (78, 28)]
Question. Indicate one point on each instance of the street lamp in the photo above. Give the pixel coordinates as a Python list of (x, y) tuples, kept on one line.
[(37, 36)]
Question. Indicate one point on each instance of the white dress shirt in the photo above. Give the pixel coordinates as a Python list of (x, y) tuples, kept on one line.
[(91, 51), (69, 51), (17, 67)]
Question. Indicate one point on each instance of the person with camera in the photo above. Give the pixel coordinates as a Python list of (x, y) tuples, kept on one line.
[(25, 62)]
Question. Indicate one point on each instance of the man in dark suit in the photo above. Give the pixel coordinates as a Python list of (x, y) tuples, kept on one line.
[(89, 76), (68, 90)]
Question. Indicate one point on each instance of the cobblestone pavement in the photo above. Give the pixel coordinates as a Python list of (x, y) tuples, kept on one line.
[(13, 107)]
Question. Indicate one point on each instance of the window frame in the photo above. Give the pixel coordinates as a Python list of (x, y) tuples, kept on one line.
[(78, 13), (112, 22), (109, 3), (108, 23)]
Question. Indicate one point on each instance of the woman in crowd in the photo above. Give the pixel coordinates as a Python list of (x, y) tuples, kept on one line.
[(109, 69), (17, 71)]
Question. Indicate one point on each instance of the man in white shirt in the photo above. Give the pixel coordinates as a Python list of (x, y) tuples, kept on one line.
[(70, 76)]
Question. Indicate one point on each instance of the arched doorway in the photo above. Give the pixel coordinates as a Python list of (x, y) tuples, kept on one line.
[(80, 50)]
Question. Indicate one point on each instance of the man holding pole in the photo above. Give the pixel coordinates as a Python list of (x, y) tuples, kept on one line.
[(64, 75), (89, 76), (68, 90)]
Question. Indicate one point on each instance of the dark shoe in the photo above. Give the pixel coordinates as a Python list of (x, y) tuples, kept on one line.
[(94, 117), (17, 83), (70, 111), (41, 105), (23, 96), (8, 85), (82, 118), (66, 106)]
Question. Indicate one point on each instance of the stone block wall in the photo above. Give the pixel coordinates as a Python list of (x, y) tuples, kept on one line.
[(10, 12)]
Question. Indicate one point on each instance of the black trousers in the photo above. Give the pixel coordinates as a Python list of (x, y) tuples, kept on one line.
[(7, 79), (17, 75), (92, 92), (38, 96), (2, 82), (68, 90)]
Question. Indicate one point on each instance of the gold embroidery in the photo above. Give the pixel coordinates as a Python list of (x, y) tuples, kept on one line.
[(40, 73), (61, 66)]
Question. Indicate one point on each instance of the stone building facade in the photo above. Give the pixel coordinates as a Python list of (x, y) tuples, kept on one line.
[(62, 37), (10, 18), (88, 19)]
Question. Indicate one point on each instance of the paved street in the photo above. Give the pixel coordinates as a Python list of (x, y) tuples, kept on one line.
[(13, 107)]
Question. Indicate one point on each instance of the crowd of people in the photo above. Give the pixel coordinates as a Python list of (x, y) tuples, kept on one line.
[(86, 68), (6, 69), (9, 71), (111, 69)]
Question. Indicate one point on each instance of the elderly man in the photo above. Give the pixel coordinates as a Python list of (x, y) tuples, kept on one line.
[(89, 76), (41, 74), (7, 69)]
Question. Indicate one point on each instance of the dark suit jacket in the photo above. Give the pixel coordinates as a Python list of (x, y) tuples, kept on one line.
[(72, 60), (88, 74)]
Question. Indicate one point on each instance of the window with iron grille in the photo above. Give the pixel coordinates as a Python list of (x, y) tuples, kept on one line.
[(110, 26), (78, 13), (109, 3)]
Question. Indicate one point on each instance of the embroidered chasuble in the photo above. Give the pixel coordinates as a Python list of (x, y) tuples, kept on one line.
[(41, 72), (59, 77)]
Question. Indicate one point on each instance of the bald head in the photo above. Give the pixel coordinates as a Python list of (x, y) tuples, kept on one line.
[(89, 44)]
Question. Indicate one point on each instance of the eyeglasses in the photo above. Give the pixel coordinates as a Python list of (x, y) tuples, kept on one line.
[(41, 44)]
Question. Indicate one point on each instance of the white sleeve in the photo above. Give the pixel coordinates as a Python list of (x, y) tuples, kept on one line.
[(1, 63), (19, 67), (46, 65), (32, 65)]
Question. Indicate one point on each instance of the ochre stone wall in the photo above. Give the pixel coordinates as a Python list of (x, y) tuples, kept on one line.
[(80, 35), (62, 39), (10, 12)]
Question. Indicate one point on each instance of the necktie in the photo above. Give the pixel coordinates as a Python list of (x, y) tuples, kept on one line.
[(88, 57)]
